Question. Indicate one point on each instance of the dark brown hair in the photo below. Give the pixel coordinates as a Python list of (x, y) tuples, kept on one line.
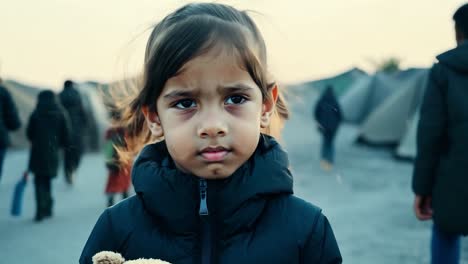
[(461, 20), (181, 36)]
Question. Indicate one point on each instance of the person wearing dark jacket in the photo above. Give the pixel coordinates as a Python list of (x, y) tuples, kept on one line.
[(214, 189), (328, 116), (440, 177), (48, 131), (9, 121), (70, 99)]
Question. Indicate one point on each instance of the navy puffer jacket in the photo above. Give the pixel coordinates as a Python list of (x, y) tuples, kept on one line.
[(251, 217)]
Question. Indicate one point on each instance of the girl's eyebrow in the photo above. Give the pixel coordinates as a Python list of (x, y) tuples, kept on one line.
[(178, 94), (236, 87)]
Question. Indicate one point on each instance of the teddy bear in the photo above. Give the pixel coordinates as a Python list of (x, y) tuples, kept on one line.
[(109, 257)]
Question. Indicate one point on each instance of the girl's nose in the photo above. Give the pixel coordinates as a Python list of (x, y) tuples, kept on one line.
[(212, 127)]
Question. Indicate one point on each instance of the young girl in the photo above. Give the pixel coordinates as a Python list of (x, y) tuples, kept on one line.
[(215, 190)]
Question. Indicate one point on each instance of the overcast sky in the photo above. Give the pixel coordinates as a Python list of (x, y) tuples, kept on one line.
[(44, 42)]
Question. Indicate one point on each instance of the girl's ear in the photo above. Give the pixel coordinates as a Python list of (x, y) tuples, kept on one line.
[(269, 107), (154, 124)]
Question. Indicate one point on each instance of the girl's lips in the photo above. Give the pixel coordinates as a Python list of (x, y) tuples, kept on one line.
[(214, 155)]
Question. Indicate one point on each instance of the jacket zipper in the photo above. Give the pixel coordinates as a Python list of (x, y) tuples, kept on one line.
[(205, 234)]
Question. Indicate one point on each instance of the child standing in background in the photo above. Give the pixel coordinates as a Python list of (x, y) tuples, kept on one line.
[(215, 188), (118, 177)]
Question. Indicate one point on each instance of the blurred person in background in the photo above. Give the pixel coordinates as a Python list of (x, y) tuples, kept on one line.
[(328, 116), (71, 100), (440, 178), (118, 177), (48, 131), (9, 121)]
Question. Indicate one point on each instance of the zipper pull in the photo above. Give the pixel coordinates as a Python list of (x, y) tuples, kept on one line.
[(203, 190)]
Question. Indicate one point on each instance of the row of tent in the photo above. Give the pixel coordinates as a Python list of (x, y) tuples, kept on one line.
[(384, 105), (25, 97)]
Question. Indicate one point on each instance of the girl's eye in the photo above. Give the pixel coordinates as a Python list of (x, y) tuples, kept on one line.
[(185, 103), (235, 99)]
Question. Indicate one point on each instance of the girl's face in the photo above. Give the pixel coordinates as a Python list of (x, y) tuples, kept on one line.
[(210, 115)]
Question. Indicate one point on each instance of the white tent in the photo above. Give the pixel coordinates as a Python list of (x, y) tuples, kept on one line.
[(365, 95), (305, 94), (353, 102), (407, 147), (388, 123), (340, 82), (368, 93)]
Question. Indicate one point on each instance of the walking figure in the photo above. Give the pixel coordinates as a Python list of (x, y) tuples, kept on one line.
[(70, 99), (440, 177), (328, 116), (9, 121), (48, 131)]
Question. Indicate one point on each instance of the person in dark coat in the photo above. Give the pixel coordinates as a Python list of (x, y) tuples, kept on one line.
[(9, 121), (328, 116), (214, 189), (71, 100), (48, 130), (440, 177)]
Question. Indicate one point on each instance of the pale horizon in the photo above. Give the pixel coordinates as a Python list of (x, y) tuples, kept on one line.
[(45, 42)]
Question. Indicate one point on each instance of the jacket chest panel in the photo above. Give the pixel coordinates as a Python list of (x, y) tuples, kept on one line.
[(457, 93), (252, 248), (248, 248), (158, 245)]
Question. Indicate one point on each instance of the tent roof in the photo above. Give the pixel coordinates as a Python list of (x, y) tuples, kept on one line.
[(388, 122)]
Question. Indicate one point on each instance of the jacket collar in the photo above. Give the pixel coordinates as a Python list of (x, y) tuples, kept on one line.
[(172, 198), (457, 58)]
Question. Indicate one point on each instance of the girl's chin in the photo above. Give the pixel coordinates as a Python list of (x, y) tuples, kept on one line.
[(214, 173)]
